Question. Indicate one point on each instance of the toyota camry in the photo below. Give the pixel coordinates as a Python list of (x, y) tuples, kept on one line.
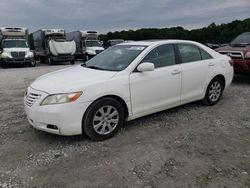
[(125, 82)]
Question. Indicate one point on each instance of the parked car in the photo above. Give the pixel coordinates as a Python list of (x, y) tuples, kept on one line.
[(239, 51), (113, 42), (212, 46), (125, 82)]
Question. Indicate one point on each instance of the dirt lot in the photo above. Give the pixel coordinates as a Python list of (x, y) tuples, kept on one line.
[(189, 146)]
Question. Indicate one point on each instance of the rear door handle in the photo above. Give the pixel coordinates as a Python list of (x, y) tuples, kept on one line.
[(211, 64), (175, 72)]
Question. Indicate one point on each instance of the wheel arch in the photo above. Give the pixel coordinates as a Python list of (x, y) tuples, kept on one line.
[(222, 78), (116, 97)]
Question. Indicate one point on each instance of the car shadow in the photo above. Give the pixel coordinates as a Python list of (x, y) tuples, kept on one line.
[(241, 79), (128, 126)]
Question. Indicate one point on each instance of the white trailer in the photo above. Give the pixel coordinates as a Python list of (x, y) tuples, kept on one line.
[(51, 46), (87, 43), (14, 47)]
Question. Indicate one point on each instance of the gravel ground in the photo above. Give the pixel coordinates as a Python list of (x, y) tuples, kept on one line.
[(189, 146)]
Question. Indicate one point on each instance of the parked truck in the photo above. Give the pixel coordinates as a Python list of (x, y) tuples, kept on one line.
[(14, 48), (52, 46), (239, 51), (87, 44)]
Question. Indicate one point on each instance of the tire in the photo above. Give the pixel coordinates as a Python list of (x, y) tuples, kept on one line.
[(98, 124), (49, 60), (86, 58), (4, 66), (213, 92), (42, 59), (32, 63), (72, 62)]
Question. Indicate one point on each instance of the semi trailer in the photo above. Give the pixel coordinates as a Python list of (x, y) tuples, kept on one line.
[(87, 44), (14, 48), (52, 46)]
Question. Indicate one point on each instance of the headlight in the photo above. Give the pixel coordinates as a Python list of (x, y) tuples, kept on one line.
[(247, 56), (61, 98), (90, 52), (5, 55), (30, 55)]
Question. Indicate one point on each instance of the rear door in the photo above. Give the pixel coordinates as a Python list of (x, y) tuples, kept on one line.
[(197, 66)]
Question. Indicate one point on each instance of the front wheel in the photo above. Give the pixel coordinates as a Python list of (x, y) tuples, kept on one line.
[(32, 63), (214, 92), (103, 119), (72, 62)]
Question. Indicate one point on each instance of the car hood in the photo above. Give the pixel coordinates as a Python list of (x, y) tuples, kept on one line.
[(244, 48), (70, 79)]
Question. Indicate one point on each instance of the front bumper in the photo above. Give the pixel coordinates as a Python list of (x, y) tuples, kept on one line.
[(241, 66), (17, 60), (62, 58), (66, 117)]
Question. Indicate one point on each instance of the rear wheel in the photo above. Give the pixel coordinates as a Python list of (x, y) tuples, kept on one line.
[(214, 92), (86, 58), (72, 62), (42, 59), (103, 119), (50, 61)]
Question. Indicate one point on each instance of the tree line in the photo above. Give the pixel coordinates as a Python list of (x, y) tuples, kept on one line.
[(222, 33)]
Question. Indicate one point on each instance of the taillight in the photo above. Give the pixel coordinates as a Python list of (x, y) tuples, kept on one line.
[(231, 62)]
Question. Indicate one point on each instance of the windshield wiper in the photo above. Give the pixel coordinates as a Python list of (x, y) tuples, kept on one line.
[(83, 64), (94, 67)]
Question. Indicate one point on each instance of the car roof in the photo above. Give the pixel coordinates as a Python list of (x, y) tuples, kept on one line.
[(155, 42)]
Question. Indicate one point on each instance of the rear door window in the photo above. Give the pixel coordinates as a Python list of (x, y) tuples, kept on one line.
[(189, 53), (205, 55)]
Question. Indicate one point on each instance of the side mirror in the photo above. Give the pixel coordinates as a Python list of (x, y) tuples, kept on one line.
[(146, 66)]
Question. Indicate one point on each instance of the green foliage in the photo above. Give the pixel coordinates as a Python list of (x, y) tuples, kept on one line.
[(213, 33)]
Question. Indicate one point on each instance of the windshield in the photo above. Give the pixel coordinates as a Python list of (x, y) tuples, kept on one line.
[(116, 58), (115, 42), (93, 43), (15, 44), (242, 39)]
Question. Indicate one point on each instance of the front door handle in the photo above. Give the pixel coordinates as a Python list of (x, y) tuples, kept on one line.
[(211, 64), (175, 72)]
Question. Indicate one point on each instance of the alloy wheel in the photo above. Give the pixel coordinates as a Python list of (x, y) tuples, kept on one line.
[(215, 91), (105, 120)]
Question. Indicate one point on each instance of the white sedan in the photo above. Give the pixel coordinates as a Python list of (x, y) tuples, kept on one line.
[(125, 82)]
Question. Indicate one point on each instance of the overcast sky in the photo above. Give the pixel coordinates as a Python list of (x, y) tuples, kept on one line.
[(112, 15)]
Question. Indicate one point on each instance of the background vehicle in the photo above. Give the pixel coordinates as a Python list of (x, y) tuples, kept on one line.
[(114, 42), (212, 46), (239, 51), (14, 47), (87, 44), (125, 82), (51, 46)]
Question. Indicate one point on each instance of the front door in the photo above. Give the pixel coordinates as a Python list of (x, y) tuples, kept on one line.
[(159, 89)]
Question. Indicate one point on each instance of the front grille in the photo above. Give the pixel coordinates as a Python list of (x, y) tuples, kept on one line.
[(31, 98), (18, 54), (234, 55)]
